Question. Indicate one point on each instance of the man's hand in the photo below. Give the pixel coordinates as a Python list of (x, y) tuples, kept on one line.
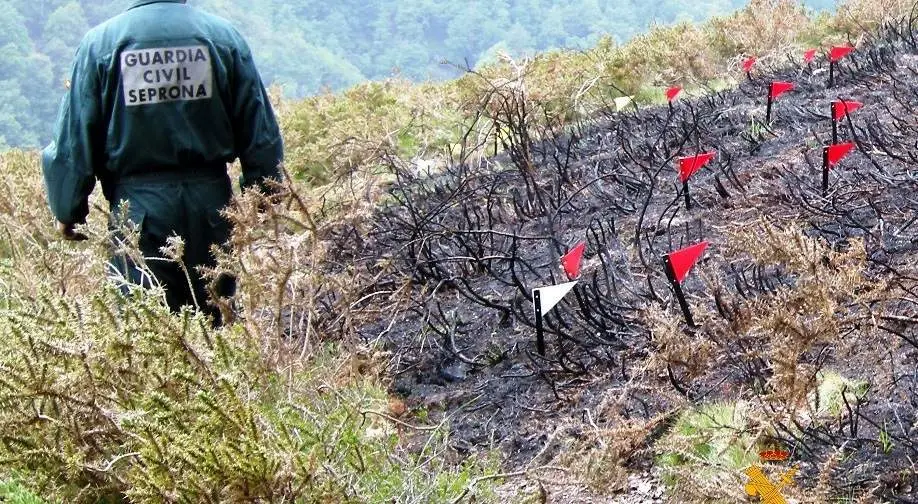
[(69, 234)]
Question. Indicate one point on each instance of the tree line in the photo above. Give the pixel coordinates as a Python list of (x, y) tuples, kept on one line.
[(311, 46)]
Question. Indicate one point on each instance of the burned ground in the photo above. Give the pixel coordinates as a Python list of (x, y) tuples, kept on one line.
[(456, 252)]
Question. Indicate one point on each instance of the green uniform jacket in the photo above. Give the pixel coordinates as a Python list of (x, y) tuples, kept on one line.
[(163, 88)]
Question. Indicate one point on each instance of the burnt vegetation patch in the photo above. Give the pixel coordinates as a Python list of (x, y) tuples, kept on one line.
[(796, 282)]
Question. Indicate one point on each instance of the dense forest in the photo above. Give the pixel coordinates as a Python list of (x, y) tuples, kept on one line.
[(310, 46)]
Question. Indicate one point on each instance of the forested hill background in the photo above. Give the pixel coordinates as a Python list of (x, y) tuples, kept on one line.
[(313, 45)]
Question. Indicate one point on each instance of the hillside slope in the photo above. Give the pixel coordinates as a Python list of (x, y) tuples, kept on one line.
[(383, 348), (796, 287), (311, 47)]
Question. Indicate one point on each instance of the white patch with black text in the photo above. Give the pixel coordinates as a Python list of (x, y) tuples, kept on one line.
[(166, 74)]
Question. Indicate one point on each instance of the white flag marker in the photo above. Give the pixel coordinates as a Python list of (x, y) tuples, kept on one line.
[(543, 300), (551, 296)]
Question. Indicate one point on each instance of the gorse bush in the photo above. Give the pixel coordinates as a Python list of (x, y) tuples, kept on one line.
[(334, 134), (762, 27), (707, 449), (105, 397), (115, 396), (14, 493), (832, 292)]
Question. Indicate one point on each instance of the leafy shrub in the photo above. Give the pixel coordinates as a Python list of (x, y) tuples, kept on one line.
[(113, 396), (707, 449), (13, 493), (763, 27), (105, 397), (332, 135)]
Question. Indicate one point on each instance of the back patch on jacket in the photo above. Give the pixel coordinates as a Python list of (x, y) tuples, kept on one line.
[(166, 74)]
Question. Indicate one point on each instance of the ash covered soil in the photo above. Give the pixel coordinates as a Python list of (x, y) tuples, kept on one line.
[(457, 252)]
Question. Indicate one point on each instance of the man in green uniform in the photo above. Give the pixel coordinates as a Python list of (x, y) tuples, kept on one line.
[(162, 97)]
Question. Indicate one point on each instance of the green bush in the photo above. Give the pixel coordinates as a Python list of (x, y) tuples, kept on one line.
[(714, 439), (833, 391), (12, 492), (334, 134), (114, 397)]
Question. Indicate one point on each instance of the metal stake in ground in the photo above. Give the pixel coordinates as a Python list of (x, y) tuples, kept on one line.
[(834, 125), (808, 58), (540, 330), (771, 99), (748, 64), (840, 109), (671, 95)]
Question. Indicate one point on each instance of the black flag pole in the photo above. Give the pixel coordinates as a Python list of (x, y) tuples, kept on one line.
[(677, 289), (771, 93), (831, 74), (540, 334), (834, 123), (825, 171), (688, 196)]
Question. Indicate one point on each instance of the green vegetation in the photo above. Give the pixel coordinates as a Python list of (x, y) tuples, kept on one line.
[(103, 396), (710, 445), (129, 400), (312, 46), (834, 391), (884, 439), (11, 492)]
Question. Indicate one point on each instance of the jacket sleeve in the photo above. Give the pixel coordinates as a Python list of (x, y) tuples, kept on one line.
[(71, 160), (258, 141)]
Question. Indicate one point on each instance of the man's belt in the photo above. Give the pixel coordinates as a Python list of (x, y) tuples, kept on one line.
[(175, 174)]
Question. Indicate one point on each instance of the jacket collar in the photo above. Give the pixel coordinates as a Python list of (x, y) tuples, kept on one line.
[(139, 3)]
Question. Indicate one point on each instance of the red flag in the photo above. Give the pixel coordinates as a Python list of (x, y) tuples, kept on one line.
[(809, 56), (682, 261), (572, 260), (839, 52), (835, 153), (779, 88), (748, 64), (842, 107), (672, 93), (688, 166)]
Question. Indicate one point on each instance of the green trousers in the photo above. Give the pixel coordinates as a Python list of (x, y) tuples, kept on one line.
[(187, 206)]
